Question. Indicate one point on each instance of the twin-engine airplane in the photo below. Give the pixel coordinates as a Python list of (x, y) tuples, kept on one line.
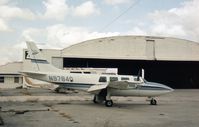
[(101, 85)]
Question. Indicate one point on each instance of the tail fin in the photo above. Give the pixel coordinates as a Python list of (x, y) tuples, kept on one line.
[(37, 60), (33, 52)]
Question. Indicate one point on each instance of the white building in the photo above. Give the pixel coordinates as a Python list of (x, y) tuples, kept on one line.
[(10, 76)]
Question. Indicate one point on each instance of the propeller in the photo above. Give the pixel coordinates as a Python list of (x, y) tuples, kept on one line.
[(140, 74)]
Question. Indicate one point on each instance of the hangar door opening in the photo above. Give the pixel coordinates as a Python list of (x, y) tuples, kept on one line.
[(176, 74)]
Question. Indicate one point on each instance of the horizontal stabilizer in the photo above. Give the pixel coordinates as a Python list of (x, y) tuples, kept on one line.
[(32, 73)]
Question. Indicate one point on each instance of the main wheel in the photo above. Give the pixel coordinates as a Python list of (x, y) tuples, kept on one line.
[(109, 103), (153, 102), (95, 99)]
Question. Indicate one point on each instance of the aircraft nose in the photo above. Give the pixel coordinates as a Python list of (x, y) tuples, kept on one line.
[(169, 88), (161, 86)]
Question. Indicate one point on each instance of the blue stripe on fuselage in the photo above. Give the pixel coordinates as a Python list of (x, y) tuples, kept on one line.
[(74, 85), (84, 85), (152, 88)]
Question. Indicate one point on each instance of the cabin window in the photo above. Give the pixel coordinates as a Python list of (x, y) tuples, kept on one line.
[(102, 79), (112, 79), (76, 72), (124, 78), (137, 79), (87, 72), (1, 79), (16, 79)]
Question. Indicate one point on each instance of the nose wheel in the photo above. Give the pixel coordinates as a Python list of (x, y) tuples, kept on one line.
[(109, 103), (153, 101)]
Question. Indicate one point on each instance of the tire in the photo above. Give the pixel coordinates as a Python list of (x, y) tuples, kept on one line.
[(109, 103), (153, 102)]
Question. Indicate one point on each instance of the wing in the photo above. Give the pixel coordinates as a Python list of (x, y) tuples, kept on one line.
[(95, 89), (119, 85), (114, 85)]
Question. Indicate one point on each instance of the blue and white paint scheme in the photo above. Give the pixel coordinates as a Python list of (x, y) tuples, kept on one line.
[(101, 85)]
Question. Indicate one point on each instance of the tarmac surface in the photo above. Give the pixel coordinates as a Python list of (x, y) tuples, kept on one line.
[(44, 108)]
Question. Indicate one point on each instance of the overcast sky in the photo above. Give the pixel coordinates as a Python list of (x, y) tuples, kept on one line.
[(61, 23)]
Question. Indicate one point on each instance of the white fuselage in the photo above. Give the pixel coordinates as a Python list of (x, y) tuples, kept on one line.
[(85, 81)]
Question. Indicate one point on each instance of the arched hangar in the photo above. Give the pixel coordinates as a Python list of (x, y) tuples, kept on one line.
[(172, 61)]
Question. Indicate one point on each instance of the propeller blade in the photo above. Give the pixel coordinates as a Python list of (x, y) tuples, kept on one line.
[(140, 74)]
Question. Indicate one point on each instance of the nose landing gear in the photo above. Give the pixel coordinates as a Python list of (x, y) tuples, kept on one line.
[(97, 99), (109, 103), (153, 101), (103, 96)]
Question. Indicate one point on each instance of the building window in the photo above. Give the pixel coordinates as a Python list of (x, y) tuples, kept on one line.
[(16, 79), (1, 79), (26, 54)]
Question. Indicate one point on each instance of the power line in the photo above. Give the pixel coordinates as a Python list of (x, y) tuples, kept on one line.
[(116, 18)]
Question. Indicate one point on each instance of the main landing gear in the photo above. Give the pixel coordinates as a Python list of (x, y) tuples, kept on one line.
[(97, 99), (103, 96)]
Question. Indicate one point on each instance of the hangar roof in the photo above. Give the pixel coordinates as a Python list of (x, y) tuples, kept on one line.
[(11, 68), (135, 48)]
